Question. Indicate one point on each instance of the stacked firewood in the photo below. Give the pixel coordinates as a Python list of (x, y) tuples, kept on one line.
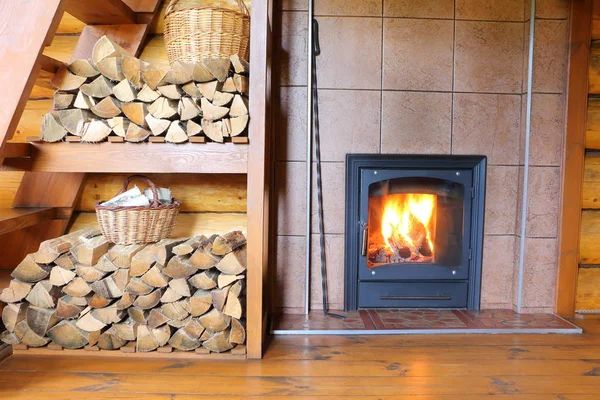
[(79, 291), (115, 93)]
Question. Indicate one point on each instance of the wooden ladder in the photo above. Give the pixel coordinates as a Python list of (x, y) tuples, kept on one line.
[(45, 201)]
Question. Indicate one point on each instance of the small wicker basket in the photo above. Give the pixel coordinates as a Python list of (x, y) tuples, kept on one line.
[(129, 225), (195, 30)]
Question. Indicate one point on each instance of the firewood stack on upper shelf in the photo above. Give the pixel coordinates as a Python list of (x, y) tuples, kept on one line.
[(117, 97), (80, 290)]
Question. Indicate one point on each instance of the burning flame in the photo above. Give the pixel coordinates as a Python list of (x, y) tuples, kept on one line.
[(407, 216)]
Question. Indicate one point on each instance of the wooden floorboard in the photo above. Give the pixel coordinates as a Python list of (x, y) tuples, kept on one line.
[(461, 367)]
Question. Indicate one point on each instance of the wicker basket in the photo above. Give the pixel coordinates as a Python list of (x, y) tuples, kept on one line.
[(195, 30), (129, 225)]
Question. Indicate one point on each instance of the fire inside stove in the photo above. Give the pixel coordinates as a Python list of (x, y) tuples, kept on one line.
[(402, 229)]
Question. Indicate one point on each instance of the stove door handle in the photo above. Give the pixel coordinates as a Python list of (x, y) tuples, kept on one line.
[(364, 243)]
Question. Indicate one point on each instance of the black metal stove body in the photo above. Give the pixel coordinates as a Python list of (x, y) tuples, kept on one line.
[(445, 272)]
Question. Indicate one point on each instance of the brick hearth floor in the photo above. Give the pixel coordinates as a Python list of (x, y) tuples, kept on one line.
[(417, 321)]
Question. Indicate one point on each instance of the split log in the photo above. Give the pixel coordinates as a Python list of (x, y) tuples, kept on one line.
[(108, 107), (163, 108), (30, 271), (237, 334), (148, 301), (211, 112), (29, 337), (154, 77), (188, 109), (205, 280), (239, 106), (222, 99), (93, 131), (125, 301), (112, 68), (98, 88), (133, 69), (213, 130), (136, 112), (52, 130), (136, 133), (83, 67), (180, 267), (119, 125), (200, 302), (238, 125), (62, 100), (108, 315), (70, 119), (106, 48), (240, 66), (163, 250), (193, 328), (226, 127), (233, 306), (237, 288), (226, 280), (219, 296), (201, 73), (215, 321), (172, 92), (156, 278), (66, 81), (182, 340), (157, 126), (43, 294), (227, 243), (176, 133), (15, 292), (142, 261), (124, 91), (67, 309), (107, 288), (208, 89), (84, 101), (12, 314), (9, 337), (180, 73), (88, 322), (68, 335), (241, 83), (147, 95), (204, 259), (191, 89), (176, 310), (89, 273), (97, 301), (121, 277), (89, 252), (193, 129), (77, 288), (218, 342), (233, 263), (110, 341), (157, 318), (206, 335), (40, 320), (229, 86), (66, 261), (170, 296), (189, 246), (138, 287), (150, 339), (126, 330), (60, 276), (219, 68), (180, 286)]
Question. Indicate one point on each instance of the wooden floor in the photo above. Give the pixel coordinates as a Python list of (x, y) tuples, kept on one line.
[(494, 367)]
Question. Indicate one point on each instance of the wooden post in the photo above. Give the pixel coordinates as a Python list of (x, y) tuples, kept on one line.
[(573, 162)]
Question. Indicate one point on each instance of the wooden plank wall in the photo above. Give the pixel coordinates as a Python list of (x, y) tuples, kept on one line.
[(588, 288), (199, 193)]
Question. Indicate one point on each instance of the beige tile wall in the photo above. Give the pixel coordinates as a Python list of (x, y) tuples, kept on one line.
[(423, 77)]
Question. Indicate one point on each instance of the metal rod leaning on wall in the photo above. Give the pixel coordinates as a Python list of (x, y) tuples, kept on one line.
[(309, 134)]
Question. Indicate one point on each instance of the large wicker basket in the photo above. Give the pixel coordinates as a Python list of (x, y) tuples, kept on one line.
[(129, 225), (195, 30)]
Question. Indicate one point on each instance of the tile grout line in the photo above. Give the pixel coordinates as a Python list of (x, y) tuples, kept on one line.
[(381, 79), (453, 80)]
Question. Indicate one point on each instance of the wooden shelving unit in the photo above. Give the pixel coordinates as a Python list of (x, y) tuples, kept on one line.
[(55, 172)]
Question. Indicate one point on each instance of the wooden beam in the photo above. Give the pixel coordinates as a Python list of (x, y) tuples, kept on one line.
[(49, 64), (22, 40), (13, 219), (101, 12), (573, 162), (130, 37), (15, 150), (259, 174), (209, 158)]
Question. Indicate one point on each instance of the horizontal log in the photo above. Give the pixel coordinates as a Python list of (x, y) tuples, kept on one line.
[(588, 295), (100, 12), (589, 243), (12, 219), (591, 181)]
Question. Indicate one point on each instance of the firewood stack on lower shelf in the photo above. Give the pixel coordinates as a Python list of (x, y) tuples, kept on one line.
[(119, 96), (80, 291)]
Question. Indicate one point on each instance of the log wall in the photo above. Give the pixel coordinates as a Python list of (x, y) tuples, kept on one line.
[(199, 193)]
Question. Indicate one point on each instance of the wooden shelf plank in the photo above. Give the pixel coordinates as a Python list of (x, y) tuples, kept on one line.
[(12, 219), (209, 158), (101, 12), (14, 150)]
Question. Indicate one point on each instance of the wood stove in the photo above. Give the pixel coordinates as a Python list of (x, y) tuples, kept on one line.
[(414, 231)]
